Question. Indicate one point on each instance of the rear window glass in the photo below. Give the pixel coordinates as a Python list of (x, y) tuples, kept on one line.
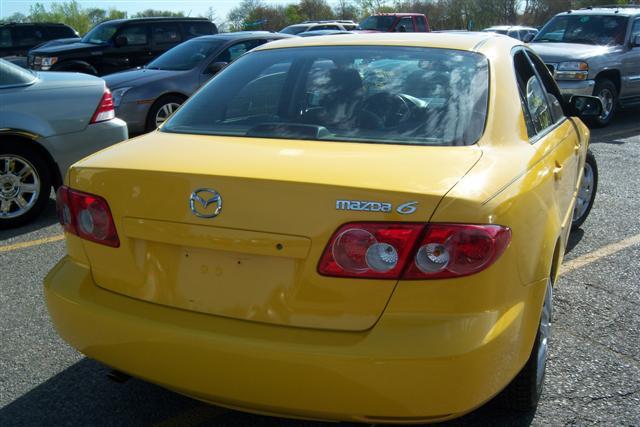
[(401, 95)]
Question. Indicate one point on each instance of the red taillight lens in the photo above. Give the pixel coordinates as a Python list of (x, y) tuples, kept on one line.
[(87, 216), (396, 250), (105, 110), (455, 250), (370, 250)]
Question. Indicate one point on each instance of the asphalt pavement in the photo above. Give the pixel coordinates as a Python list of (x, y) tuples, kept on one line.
[(593, 375)]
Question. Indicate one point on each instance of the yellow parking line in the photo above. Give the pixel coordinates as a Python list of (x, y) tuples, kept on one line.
[(22, 245), (598, 254)]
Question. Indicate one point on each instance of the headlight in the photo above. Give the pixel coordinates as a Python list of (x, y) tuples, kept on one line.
[(118, 94), (573, 70), (46, 62)]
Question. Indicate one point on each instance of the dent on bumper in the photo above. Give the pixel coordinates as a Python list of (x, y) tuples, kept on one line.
[(584, 87), (373, 376)]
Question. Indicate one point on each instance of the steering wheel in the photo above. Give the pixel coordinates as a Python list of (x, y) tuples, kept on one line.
[(384, 111)]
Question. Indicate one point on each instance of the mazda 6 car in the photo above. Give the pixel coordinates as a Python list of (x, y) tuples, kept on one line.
[(364, 228)]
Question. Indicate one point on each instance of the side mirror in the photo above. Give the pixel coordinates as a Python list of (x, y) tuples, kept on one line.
[(527, 38), (635, 42), (120, 41), (585, 106), (216, 67)]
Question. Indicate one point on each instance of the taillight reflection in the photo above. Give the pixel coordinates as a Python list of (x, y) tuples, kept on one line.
[(87, 216)]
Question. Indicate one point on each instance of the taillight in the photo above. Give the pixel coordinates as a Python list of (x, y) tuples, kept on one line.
[(412, 251), (455, 250), (105, 110), (87, 216), (371, 250)]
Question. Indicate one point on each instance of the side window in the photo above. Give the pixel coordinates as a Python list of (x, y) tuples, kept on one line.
[(136, 35), (421, 24), (232, 53), (635, 31), (5, 37), (195, 29), (59, 32), (550, 87), (324, 27), (262, 95), (26, 35), (166, 33), (405, 25), (533, 97)]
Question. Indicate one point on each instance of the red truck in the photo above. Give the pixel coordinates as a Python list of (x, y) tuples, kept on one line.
[(396, 22)]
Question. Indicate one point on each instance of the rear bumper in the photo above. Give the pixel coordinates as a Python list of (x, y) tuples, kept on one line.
[(577, 88), (395, 372)]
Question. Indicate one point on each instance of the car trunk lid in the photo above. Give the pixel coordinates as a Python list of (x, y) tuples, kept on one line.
[(257, 260)]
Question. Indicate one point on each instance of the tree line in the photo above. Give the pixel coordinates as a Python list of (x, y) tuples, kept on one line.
[(262, 15)]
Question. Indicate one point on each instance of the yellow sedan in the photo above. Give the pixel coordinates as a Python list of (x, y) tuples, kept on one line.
[(364, 227)]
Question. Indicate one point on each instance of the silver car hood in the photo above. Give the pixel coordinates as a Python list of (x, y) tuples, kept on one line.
[(559, 52)]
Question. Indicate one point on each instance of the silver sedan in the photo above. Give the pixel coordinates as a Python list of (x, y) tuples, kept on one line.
[(47, 122), (147, 96)]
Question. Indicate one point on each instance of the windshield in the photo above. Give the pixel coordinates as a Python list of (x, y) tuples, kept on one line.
[(12, 75), (185, 56), (101, 33), (377, 94), (600, 30), (378, 23), (294, 29)]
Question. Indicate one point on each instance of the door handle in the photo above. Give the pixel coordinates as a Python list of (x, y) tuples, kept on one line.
[(557, 171)]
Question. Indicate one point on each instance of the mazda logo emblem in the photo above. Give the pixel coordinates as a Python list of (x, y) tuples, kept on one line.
[(205, 203)]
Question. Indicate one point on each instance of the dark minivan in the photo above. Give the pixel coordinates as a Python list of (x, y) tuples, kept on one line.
[(17, 38), (119, 44)]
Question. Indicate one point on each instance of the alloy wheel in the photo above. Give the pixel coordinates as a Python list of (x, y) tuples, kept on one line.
[(19, 186), (165, 111), (607, 98), (585, 192)]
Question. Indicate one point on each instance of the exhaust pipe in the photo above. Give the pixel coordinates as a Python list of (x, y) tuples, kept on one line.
[(118, 377)]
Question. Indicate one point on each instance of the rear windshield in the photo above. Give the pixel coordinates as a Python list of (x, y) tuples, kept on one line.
[(377, 23), (294, 29), (585, 29), (12, 75), (383, 94)]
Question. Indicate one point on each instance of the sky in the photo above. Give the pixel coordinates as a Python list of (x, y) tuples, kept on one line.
[(194, 7)]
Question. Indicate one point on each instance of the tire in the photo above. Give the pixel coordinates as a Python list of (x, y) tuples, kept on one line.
[(169, 103), (523, 393), (15, 157), (586, 191), (608, 93)]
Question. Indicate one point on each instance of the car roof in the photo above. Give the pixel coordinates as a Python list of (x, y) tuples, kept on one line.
[(153, 19), (458, 41), (16, 24), (397, 14), (624, 11)]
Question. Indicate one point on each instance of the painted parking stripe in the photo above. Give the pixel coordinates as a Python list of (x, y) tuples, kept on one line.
[(22, 245), (598, 254)]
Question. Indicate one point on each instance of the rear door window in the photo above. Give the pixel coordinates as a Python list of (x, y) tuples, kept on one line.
[(195, 29), (27, 35), (535, 106), (405, 25), (421, 23), (166, 33), (5, 37), (59, 32)]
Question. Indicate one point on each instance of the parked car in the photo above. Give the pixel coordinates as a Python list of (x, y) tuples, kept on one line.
[(595, 51), (17, 38), (119, 44), (525, 34), (47, 122), (146, 97), (388, 245), (340, 25), (395, 22)]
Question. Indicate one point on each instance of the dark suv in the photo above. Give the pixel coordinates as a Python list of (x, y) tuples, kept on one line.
[(119, 44), (17, 38)]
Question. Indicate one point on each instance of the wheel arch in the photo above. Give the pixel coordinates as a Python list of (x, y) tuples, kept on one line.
[(31, 139), (611, 74), (164, 95)]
